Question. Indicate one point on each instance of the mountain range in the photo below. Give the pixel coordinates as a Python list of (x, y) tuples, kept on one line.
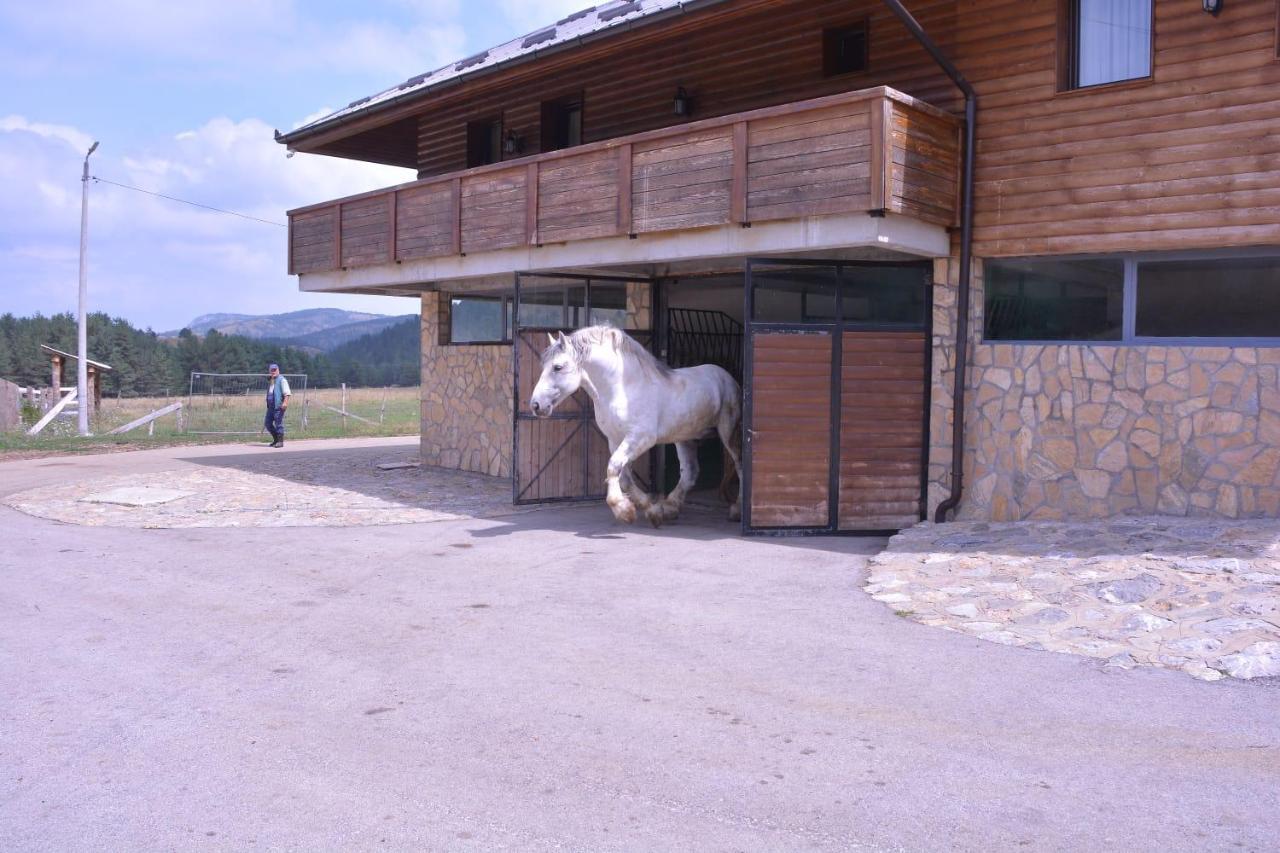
[(313, 329)]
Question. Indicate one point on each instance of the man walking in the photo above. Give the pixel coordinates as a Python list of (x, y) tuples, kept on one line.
[(277, 401)]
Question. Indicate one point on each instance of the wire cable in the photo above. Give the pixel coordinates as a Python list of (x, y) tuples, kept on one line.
[(96, 179)]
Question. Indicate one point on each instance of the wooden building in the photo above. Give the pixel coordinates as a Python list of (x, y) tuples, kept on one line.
[(781, 184)]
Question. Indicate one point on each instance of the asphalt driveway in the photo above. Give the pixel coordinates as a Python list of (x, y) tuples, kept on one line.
[(553, 680)]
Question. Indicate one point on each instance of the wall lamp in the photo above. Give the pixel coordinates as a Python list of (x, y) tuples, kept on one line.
[(683, 104), (1213, 7), (512, 143)]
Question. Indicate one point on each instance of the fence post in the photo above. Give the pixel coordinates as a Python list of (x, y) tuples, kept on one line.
[(382, 415), (344, 408)]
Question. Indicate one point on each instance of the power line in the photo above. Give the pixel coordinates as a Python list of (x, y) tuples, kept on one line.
[(192, 203)]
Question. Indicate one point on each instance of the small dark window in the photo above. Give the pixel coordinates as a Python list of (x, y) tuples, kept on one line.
[(844, 49), (1219, 298), (562, 123), (1054, 299), (479, 319), (1105, 41), (484, 142)]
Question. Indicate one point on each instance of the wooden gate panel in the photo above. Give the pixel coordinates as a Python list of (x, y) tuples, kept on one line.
[(551, 456), (790, 429), (882, 398)]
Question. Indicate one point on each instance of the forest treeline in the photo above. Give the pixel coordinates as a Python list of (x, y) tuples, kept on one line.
[(144, 364)]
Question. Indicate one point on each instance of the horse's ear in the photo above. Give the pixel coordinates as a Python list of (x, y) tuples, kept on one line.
[(564, 342), (552, 339)]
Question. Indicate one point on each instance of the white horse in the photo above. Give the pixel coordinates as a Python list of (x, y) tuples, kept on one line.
[(641, 402)]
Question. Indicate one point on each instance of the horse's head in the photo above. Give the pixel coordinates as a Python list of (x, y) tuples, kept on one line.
[(560, 377)]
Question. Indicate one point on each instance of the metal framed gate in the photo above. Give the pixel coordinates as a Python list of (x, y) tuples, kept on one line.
[(836, 397), (564, 457)]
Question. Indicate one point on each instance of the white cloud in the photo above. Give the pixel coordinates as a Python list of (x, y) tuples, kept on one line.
[(78, 141), (529, 15), (157, 261)]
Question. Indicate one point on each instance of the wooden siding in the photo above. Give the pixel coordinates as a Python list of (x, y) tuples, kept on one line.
[(1187, 159), (790, 429), (882, 403), (741, 56), (808, 159)]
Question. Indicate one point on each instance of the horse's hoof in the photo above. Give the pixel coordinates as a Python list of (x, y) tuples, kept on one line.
[(624, 511), (670, 512), (655, 516)]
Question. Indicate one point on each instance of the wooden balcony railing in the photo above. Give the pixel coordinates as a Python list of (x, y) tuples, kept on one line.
[(875, 150)]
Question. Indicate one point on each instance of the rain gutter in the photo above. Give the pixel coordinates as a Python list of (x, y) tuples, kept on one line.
[(966, 254)]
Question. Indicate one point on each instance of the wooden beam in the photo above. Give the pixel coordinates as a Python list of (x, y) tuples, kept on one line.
[(146, 419), (52, 413), (738, 187), (624, 188), (393, 198), (337, 236), (881, 126), (455, 200), (531, 203)]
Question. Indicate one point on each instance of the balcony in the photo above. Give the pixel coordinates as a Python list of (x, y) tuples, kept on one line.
[(681, 192)]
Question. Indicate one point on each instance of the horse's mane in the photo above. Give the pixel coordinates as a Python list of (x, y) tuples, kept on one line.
[(583, 339)]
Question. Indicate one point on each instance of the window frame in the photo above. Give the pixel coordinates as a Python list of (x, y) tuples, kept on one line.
[(1129, 319), (507, 300), (1068, 52), (831, 37)]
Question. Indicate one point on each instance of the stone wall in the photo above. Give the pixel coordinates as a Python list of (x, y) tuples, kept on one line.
[(1077, 431), (466, 398)]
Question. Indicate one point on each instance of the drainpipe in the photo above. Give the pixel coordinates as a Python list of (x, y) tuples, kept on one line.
[(966, 253)]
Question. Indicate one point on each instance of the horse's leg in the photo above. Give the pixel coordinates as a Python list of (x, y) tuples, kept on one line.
[(668, 508), (627, 450), (731, 438), (632, 490)]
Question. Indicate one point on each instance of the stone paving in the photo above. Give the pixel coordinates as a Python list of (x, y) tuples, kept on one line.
[(281, 490), (1198, 595)]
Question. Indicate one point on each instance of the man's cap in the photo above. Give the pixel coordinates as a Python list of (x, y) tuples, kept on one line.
[(273, 366)]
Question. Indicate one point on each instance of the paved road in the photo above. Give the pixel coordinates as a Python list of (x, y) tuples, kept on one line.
[(555, 681)]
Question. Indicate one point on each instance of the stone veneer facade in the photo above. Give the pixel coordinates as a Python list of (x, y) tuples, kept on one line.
[(1061, 431), (466, 398)]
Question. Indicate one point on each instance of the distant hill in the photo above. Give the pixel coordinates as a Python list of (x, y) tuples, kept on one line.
[(294, 324), (329, 339)]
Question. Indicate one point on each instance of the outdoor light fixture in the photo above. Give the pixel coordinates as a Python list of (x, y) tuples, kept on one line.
[(512, 144), (1213, 7), (683, 104)]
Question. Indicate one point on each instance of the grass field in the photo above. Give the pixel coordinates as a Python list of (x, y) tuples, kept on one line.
[(227, 418)]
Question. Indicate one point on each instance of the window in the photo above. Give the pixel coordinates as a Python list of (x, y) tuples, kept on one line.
[(484, 142), (479, 319), (1055, 300), (871, 293), (1104, 41), (844, 49), (1229, 298), (1192, 297), (562, 123)]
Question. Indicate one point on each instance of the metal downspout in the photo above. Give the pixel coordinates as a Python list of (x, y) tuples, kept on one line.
[(966, 256)]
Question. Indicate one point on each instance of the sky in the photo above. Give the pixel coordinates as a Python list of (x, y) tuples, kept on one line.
[(183, 99)]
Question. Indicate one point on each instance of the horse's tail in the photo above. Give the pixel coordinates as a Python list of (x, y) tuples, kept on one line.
[(729, 478)]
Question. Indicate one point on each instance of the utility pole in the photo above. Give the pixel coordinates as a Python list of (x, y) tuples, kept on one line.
[(82, 352)]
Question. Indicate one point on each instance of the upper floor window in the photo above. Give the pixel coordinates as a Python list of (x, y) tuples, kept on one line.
[(844, 49), (1106, 41), (484, 142), (562, 123)]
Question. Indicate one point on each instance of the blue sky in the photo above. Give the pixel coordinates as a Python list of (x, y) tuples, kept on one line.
[(183, 98)]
